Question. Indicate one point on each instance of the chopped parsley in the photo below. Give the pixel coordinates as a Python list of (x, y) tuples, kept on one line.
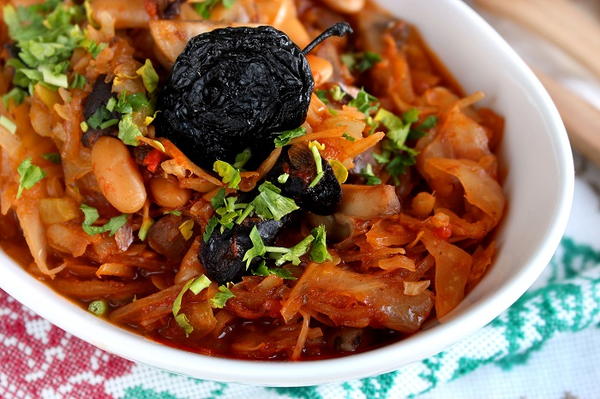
[(16, 96), (29, 175), (204, 8), (210, 227), (322, 94), (365, 102), (46, 35), (144, 228), (369, 176), (218, 200), (195, 285), (79, 81), (283, 178), (270, 204), (360, 62), (128, 130), (221, 297), (92, 47), (264, 270), (314, 147), (348, 137), (337, 94), (149, 76), (315, 243), (229, 174), (8, 124), (242, 159), (318, 252), (258, 247), (53, 157), (91, 215), (286, 137)]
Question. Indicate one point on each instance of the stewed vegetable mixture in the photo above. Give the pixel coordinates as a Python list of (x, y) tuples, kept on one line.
[(258, 179)]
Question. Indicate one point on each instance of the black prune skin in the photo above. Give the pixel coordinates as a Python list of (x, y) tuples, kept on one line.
[(324, 198), (232, 89), (222, 255)]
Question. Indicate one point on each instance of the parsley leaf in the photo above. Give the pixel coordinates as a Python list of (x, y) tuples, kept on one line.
[(293, 254), (319, 252), (149, 76), (129, 131), (286, 137), (264, 270), (369, 176), (187, 229), (283, 178), (360, 62), (314, 147), (365, 102), (92, 47), (46, 35), (196, 286), (270, 204), (221, 297), (29, 175), (204, 8), (16, 96), (52, 157), (79, 81), (8, 124), (229, 174), (91, 215), (258, 247), (218, 200), (210, 227), (242, 158), (322, 94)]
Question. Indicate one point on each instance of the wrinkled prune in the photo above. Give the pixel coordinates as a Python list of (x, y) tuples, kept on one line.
[(236, 88), (101, 93), (222, 255), (297, 161)]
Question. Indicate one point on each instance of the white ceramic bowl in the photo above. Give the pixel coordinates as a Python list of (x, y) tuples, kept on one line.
[(539, 186)]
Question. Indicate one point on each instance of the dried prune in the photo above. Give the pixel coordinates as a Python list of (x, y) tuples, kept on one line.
[(236, 88), (297, 161), (222, 255)]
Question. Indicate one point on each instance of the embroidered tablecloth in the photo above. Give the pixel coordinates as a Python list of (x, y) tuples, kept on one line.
[(547, 345)]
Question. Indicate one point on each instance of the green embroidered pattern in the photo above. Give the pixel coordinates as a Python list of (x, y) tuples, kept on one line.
[(568, 302)]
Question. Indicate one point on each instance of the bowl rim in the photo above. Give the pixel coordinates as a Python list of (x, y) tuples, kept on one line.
[(137, 348)]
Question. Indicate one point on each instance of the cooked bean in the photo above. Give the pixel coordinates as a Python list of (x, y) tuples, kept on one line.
[(167, 193), (422, 204), (118, 177), (165, 238)]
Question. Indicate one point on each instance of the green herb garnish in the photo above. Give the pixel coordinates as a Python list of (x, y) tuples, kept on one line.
[(318, 252), (365, 102), (129, 131), (29, 175), (149, 76), (242, 159), (196, 286), (221, 297), (204, 8), (8, 124), (91, 215), (264, 270), (286, 137), (270, 204), (53, 157), (229, 174), (314, 147), (360, 62), (369, 176)]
